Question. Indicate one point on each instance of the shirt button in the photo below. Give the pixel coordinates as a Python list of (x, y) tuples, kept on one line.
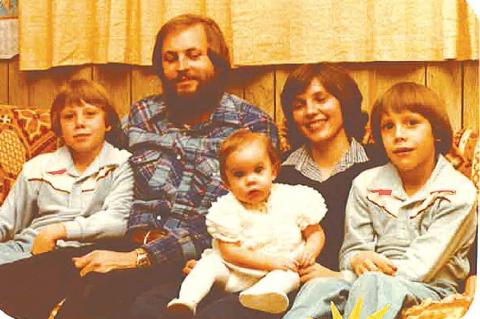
[(179, 157), (159, 217)]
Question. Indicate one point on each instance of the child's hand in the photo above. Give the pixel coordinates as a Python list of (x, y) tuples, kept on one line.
[(284, 263), (316, 271), (307, 257), (189, 265), (372, 261), (47, 237)]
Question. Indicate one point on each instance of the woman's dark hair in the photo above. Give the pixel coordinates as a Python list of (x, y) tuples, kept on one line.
[(419, 99), (339, 84), (217, 47), (77, 92)]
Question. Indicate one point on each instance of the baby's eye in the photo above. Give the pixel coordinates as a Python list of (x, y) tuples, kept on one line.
[(238, 174), (258, 169)]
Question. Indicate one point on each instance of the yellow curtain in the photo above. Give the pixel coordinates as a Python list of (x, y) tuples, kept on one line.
[(352, 30), (71, 32)]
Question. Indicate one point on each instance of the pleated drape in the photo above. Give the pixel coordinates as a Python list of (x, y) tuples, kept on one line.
[(259, 32)]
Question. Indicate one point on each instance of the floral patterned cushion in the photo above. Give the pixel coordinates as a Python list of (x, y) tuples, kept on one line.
[(24, 133)]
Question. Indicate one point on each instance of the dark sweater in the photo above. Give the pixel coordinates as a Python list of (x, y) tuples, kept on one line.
[(335, 190)]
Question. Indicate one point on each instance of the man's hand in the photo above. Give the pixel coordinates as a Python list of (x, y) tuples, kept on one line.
[(189, 265), (104, 261), (47, 237), (315, 271), (372, 261)]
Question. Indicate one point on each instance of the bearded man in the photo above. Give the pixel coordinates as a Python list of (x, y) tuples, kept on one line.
[(174, 139)]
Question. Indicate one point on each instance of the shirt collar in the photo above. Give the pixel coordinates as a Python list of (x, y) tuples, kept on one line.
[(304, 163), (226, 112), (390, 180), (63, 160)]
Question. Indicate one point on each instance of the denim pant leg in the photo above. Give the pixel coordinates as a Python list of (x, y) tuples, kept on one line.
[(377, 290), (314, 298), (11, 251)]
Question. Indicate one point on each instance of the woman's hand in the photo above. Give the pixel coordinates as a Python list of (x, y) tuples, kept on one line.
[(47, 237), (315, 271), (371, 261), (104, 261), (189, 265)]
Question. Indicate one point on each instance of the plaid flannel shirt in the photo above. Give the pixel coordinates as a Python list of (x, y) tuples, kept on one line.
[(177, 173)]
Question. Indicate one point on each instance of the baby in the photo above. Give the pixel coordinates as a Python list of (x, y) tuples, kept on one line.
[(262, 232)]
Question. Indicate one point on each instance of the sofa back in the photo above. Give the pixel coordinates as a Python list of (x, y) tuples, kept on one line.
[(24, 133)]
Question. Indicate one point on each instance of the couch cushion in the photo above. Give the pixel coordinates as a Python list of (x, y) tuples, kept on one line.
[(24, 133)]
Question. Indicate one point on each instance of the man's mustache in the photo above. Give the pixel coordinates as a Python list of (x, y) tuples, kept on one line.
[(184, 77)]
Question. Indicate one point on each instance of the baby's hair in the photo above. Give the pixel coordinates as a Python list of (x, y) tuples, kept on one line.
[(241, 138), (419, 99), (79, 91)]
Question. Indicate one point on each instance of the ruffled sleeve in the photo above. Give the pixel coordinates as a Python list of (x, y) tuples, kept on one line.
[(309, 204), (223, 222)]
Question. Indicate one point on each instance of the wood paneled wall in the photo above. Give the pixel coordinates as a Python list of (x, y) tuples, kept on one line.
[(456, 82)]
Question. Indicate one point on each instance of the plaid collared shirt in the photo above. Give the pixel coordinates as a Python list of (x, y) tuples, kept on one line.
[(304, 163), (177, 173)]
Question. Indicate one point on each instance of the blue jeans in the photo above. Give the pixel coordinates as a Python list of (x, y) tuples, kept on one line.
[(375, 289)]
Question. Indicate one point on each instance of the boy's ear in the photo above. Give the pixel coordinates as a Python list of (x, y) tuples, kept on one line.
[(108, 126)]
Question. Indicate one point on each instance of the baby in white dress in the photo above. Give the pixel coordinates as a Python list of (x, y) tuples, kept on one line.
[(263, 233)]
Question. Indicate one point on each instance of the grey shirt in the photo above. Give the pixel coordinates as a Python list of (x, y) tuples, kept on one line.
[(426, 235), (92, 205)]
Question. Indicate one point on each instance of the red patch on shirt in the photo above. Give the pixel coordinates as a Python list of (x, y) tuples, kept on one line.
[(449, 191), (59, 172), (381, 192)]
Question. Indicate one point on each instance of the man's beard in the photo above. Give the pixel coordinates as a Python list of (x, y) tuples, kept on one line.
[(188, 107)]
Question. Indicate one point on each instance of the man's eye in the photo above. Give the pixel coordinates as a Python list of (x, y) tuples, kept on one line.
[(194, 55), (169, 57), (67, 116)]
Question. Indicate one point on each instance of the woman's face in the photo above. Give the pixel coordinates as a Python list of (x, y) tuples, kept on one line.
[(318, 115)]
